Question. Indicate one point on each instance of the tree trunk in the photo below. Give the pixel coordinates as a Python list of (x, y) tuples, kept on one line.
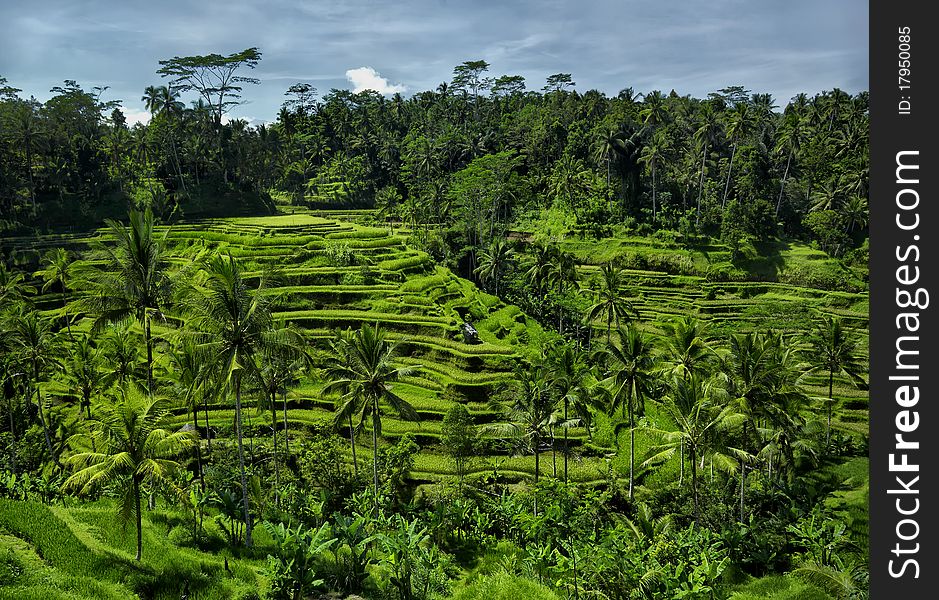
[(831, 377), (566, 449), (375, 421), (274, 451), (45, 427), (286, 433), (704, 156), (653, 191), (694, 481), (632, 440), (146, 319), (208, 432), (138, 517), (241, 462), (743, 478), (730, 169), (195, 424), (355, 461), (537, 459), (681, 462), (782, 186)]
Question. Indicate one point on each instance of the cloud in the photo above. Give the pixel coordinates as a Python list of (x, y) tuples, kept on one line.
[(367, 78), (134, 116)]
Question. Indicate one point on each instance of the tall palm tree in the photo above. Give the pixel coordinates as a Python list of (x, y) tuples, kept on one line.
[(703, 418), (135, 282), (856, 213), (742, 123), (653, 154), (761, 375), (36, 348), (789, 141), (832, 351), (605, 148), (187, 361), (569, 372), (83, 372), (235, 326), (705, 136), (686, 349), (529, 413), (611, 299), (632, 361), (58, 272), (132, 450), (494, 261), (364, 378)]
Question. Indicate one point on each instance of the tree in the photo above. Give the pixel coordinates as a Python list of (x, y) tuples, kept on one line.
[(705, 137), (37, 348), (653, 154), (493, 263), (134, 282), (632, 363), (58, 271), (703, 418), (568, 381), (611, 299), (214, 78), (83, 372), (833, 352), (529, 412), (365, 381), (558, 82), (458, 438), (235, 327), (741, 125), (469, 76), (132, 450), (293, 567)]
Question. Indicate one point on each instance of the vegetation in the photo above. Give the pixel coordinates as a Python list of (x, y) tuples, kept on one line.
[(279, 366)]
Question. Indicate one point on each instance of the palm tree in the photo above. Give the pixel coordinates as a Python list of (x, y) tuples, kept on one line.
[(133, 450), (568, 181), (789, 142), (538, 274), (653, 154), (568, 380), (856, 213), (742, 124), (135, 282), (605, 148), (833, 352), (494, 261), (611, 299), (529, 412), (654, 111), (632, 362), (83, 372), (58, 271), (761, 376), (121, 356), (186, 364), (235, 327), (686, 349), (36, 347), (705, 137), (365, 379), (702, 417)]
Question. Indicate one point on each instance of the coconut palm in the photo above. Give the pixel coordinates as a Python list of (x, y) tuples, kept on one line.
[(365, 377), (856, 213), (58, 272), (36, 348), (611, 299), (702, 417), (234, 326), (83, 372), (186, 362), (741, 125), (632, 362), (493, 263), (832, 351), (569, 383), (528, 415), (705, 137), (686, 350), (653, 155), (135, 282), (132, 450)]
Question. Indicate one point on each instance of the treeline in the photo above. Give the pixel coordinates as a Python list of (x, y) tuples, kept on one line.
[(476, 155)]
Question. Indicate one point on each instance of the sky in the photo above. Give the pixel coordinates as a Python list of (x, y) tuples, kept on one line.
[(781, 47)]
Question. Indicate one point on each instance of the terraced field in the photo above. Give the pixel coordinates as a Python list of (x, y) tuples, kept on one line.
[(332, 272)]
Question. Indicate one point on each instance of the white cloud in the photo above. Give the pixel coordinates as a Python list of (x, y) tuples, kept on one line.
[(367, 78), (135, 116)]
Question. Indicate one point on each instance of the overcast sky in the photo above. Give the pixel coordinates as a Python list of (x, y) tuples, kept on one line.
[(778, 46)]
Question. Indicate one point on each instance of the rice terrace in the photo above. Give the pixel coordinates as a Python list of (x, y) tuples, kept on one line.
[(479, 342)]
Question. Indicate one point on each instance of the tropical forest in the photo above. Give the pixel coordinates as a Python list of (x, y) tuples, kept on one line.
[(498, 339)]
